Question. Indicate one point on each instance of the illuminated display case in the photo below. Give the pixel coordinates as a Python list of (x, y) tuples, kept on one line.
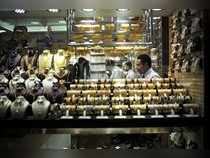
[(66, 81)]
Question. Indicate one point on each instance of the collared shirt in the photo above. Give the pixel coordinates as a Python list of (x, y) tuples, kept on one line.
[(151, 74), (117, 73), (130, 74)]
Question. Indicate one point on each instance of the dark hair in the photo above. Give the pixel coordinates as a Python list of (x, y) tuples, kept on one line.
[(145, 59), (129, 64)]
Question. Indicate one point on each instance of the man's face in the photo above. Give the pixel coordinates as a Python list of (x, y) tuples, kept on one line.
[(140, 66)]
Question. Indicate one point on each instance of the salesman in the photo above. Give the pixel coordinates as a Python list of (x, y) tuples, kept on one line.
[(144, 67)]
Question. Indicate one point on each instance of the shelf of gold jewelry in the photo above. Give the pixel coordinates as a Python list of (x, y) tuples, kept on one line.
[(122, 98)]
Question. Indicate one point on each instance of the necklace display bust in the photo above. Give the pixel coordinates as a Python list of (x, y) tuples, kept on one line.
[(5, 104), (30, 82), (35, 91), (57, 94), (3, 79), (4, 89), (40, 108), (13, 60), (14, 81), (48, 83), (19, 107)]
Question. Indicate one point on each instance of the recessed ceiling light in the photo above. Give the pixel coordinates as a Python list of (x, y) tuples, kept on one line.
[(156, 18), (19, 11), (122, 10), (156, 9), (53, 10), (88, 10)]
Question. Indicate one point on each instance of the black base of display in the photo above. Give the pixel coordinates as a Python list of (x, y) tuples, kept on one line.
[(105, 123)]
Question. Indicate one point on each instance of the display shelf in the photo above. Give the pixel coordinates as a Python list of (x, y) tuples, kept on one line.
[(108, 33), (112, 44), (77, 22), (97, 54), (193, 35), (188, 19), (99, 131)]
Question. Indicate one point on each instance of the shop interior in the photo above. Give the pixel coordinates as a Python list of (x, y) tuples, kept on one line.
[(76, 71)]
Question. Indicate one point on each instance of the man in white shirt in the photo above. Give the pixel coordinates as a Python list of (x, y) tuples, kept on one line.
[(144, 64), (129, 73), (117, 73)]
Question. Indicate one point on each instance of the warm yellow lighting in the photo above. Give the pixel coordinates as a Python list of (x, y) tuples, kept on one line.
[(91, 31), (124, 48), (86, 25), (53, 10), (124, 25), (88, 10), (122, 10), (135, 25), (45, 60)]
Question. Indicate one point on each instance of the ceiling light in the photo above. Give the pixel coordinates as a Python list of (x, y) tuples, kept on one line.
[(88, 10), (53, 10), (2, 31), (62, 22), (19, 11), (35, 23), (87, 25), (122, 10), (156, 9), (156, 18)]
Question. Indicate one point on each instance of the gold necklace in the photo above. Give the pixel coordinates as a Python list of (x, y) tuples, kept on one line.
[(29, 65)]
